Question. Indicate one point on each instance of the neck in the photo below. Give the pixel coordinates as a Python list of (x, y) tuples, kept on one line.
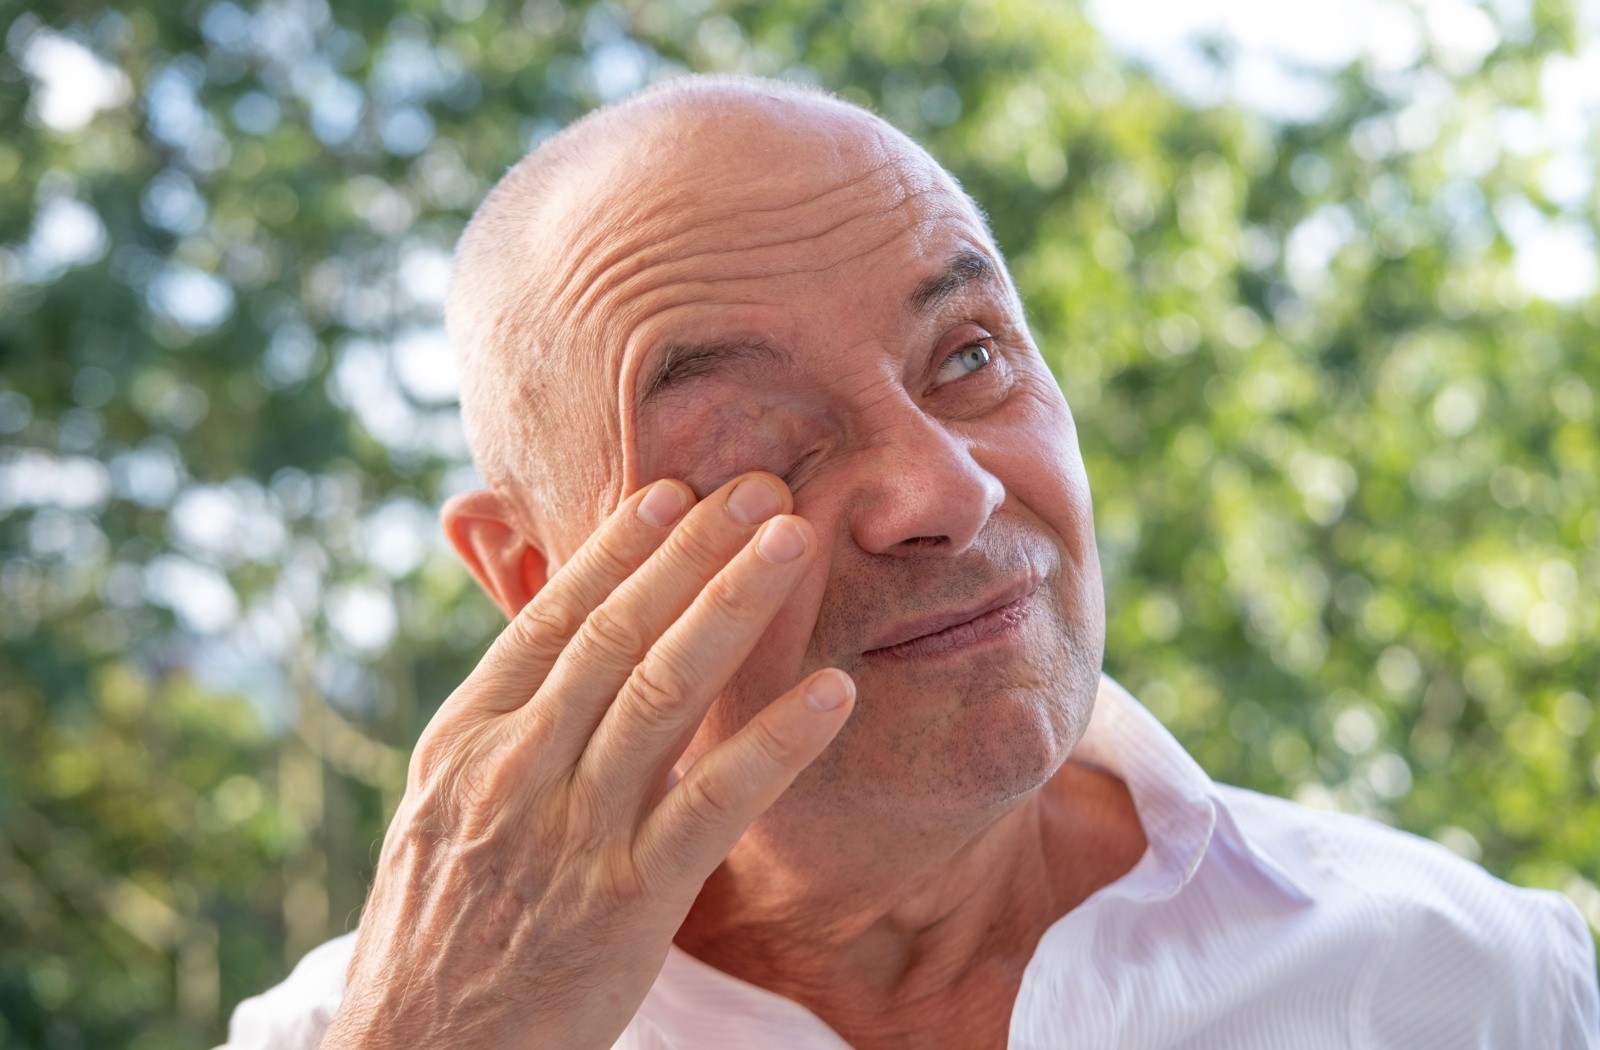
[(922, 943)]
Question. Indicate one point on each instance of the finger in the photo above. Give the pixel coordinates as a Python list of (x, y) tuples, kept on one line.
[(698, 822), (617, 634), (520, 658), (666, 696)]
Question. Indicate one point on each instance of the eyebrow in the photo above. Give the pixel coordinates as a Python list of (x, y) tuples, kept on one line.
[(682, 362), (963, 268)]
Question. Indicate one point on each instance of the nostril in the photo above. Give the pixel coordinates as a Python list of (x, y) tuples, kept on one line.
[(926, 541)]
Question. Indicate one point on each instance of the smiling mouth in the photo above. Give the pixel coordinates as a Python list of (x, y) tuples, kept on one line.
[(989, 625)]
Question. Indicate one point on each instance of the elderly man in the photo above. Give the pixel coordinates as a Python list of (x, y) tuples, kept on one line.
[(797, 736)]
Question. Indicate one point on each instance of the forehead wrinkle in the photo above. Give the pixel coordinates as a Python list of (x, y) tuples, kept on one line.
[(586, 286), (667, 260), (604, 244), (591, 244), (814, 198)]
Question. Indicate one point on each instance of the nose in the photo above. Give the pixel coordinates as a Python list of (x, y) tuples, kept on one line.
[(922, 488)]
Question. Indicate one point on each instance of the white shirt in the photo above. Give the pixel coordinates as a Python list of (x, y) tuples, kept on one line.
[(1249, 922)]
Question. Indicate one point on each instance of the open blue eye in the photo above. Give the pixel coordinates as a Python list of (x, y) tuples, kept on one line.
[(964, 362)]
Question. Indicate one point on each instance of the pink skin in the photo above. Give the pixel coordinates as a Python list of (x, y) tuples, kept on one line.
[(940, 833)]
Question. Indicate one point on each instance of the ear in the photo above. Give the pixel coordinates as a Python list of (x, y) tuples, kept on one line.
[(507, 565)]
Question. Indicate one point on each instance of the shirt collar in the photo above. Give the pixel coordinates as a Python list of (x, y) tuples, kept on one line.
[(693, 1004), (1179, 806)]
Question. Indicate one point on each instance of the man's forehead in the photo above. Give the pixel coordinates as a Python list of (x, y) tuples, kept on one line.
[(739, 210)]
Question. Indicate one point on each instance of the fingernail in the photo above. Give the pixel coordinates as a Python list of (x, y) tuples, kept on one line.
[(828, 690), (661, 505), (781, 541), (752, 501)]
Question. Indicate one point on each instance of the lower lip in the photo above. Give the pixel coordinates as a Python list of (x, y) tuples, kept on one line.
[(991, 626)]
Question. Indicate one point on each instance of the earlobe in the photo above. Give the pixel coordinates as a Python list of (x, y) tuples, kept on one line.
[(509, 567)]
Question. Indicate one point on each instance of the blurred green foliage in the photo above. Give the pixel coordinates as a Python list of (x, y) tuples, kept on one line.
[(1345, 463)]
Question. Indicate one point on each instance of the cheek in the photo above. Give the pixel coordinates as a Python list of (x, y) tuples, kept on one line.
[(1035, 454), (1052, 483)]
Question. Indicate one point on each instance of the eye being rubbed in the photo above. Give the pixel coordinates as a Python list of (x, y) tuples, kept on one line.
[(963, 362), (793, 472)]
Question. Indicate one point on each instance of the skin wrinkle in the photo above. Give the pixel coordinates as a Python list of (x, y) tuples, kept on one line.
[(745, 271), (887, 165), (820, 195), (590, 284), (604, 281), (890, 151), (755, 210)]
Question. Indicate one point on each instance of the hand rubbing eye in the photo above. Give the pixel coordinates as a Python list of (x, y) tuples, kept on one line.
[(963, 362)]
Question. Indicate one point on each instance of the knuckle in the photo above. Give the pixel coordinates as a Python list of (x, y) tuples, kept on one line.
[(626, 884), (471, 783), (770, 748), (542, 628), (476, 788), (607, 558), (550, 617), (655, 695), (585, 827), (710, 802), (435, 753), (531, 731), (609, 631)]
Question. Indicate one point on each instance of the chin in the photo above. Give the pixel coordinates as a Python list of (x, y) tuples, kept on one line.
[(905, 774), (999, 749), (922, 755)]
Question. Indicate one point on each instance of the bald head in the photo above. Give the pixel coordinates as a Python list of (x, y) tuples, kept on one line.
[(618, 193)]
